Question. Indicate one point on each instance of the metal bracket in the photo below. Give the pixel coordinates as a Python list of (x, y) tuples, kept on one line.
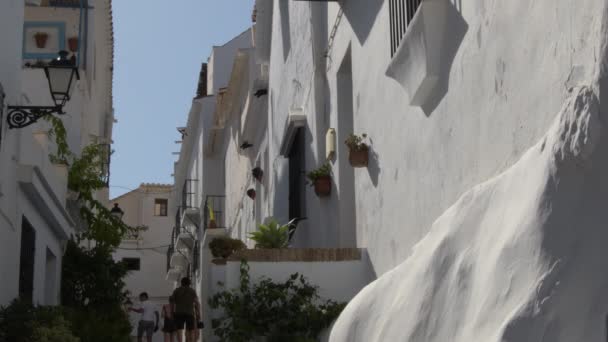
[(23, 116)]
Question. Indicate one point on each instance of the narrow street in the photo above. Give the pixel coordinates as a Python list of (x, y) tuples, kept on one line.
[(303, 170)]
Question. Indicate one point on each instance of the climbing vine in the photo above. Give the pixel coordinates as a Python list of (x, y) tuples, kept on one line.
[(85, 178)]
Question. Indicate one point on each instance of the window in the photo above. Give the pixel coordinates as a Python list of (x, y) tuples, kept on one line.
[(401, 14), (160, 207), (133, 264)]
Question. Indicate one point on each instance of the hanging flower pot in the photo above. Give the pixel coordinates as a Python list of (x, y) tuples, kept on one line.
[(73, 44), (359, 158), (358, 154), (320, 179), (41, 38), (257, 173), (323, 186), (251, 193)]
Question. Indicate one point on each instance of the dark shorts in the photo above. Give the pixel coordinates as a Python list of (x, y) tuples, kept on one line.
[(181, 319), (169, 326), (145, 326)]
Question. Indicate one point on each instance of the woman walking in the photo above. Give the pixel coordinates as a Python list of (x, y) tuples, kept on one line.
[(168, 323)]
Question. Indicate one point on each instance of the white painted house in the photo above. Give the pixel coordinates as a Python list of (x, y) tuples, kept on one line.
[(35, 222), (145, 252), (482, 207)]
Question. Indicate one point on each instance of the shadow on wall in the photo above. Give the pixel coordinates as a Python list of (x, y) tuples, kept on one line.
[(285, 27), (458, 28), (362, 15), (373, 166)]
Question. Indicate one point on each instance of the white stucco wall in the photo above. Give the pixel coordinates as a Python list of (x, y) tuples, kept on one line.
[(339, 281), (28, 148), (151, 249), (421, 162)]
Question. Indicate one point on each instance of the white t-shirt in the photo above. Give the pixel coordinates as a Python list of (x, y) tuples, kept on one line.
[(149, 310)]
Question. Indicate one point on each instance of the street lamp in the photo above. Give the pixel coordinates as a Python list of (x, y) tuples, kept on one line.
[(60, 74), (117, 212)]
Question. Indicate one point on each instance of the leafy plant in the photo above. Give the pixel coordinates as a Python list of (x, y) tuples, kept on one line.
[(23, 322), (356, 142), (85, 178), (323, 171), (91, 277), (223, 247), (271, 235), (287, 311)]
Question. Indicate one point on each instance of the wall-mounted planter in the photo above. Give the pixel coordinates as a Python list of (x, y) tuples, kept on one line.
[(257, 173), (41, 38), (322, 186), (358, 158), (73, 44), (251, 193)]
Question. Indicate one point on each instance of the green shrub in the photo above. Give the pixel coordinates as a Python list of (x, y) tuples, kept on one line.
[(223, 247), (271, 235), (100, 324), (23, 322), (272, 310)]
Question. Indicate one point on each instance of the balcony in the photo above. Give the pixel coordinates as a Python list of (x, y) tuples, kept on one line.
[(214, 212)]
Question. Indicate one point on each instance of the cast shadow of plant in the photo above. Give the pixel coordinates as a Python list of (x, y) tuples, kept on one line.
[(373, 166)]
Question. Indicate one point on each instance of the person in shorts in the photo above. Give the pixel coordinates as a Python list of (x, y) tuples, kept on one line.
[(185, 302), (168, 323), (148, 322)]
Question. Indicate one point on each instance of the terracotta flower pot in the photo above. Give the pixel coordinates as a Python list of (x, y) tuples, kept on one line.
[(358, 158), (212, 224), (323, 186), (73, 44), (41, 39)]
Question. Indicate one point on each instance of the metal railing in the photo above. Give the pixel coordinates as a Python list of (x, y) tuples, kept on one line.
[(214, 212), (401, 14), (189, 194)]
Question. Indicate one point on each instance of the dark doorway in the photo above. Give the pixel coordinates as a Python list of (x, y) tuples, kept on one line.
[(26, 261), (296, 176)]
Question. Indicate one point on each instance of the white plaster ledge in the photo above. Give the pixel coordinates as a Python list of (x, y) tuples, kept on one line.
[(425, 50)]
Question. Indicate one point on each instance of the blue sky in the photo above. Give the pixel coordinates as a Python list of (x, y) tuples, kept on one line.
[(159, 48)]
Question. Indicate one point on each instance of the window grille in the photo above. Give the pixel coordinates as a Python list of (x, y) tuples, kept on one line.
[(401, 14)]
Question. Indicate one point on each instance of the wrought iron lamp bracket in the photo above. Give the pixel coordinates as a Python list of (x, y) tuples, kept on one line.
[(23, 116)]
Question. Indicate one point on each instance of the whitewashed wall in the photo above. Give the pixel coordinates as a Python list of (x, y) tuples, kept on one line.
[(138, 206), (88, 118), (504, 88)]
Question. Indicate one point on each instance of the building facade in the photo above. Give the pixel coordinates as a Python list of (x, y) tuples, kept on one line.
[(144, 252), (35, 220), (479, 116)]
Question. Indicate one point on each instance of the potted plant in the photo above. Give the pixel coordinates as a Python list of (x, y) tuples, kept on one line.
[(73, 44), (41, 38), (224, 246), (320, 179), (271, 235), (358, 155), (257, 173), (251, 193)]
